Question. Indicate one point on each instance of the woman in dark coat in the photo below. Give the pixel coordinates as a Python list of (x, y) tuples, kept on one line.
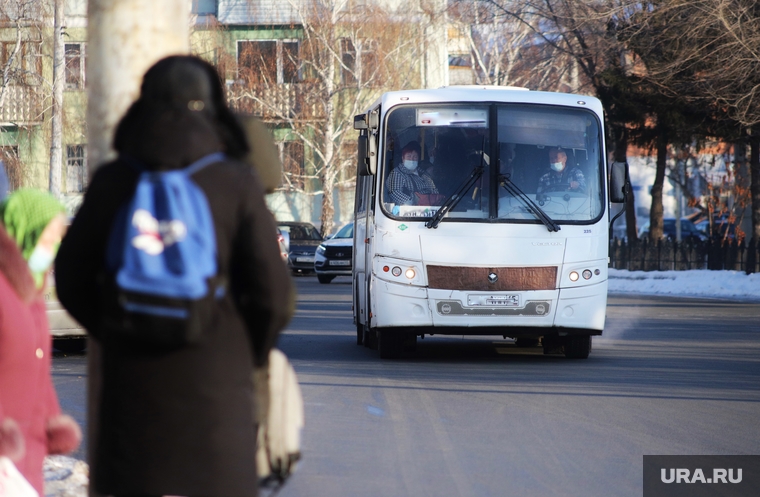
[(180, 422)]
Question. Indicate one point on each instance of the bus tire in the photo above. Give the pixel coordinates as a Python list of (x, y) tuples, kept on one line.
[(359, 334), (577, 346), (390, 344), (370, 338)]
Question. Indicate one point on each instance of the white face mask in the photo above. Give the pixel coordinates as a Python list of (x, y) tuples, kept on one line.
[(410, 164), (557, 166), (41, 260)]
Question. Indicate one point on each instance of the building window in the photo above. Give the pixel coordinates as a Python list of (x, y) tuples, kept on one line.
[(268, 62), (76, 168), (27, 62), (460, 69), (359, 62), (293, 165), (74, 66), (12, 164), (204, 7)]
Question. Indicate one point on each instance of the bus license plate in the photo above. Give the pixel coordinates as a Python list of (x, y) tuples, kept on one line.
[(503, 301)]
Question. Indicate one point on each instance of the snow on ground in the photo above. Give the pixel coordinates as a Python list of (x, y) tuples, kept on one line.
[(694, 283), (65, 477)]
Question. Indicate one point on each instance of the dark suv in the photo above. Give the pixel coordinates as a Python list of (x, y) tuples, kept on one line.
[(304, 239), (688, 230)]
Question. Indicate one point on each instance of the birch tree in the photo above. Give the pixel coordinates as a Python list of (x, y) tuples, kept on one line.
[(346, 56), (21, 81)]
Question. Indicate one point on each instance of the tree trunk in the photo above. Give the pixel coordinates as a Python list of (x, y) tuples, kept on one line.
[(621, 155), (656, 213), (125, 39), (56, 141), (754, 167)]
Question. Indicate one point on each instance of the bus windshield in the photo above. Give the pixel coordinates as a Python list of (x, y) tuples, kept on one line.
[(547, 167)]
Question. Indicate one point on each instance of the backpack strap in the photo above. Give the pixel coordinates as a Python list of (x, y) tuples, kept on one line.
[(203, 162), (189, 170)]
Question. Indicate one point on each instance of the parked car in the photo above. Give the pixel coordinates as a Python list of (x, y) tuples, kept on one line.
[(720, 226), (334, 256), (67, 334), (688, 230), (304, 239)]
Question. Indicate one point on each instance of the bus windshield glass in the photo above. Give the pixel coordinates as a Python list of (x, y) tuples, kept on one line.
[(548, 158)]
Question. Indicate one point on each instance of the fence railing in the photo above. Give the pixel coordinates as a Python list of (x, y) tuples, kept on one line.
[(669, 255)]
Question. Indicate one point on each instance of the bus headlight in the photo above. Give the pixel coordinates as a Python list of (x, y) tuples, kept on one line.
[(573, 276), (396, 271), (586, 274), (410, 273)]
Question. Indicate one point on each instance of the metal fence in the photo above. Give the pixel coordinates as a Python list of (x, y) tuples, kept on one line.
[(669, 255)]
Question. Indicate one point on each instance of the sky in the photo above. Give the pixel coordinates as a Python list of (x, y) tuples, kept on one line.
[(732, 285)]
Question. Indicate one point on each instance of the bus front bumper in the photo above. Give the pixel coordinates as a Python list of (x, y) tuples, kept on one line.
[(397, 305)]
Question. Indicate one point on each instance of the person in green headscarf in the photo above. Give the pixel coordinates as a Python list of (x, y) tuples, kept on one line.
[(32, 426), (36, 221)]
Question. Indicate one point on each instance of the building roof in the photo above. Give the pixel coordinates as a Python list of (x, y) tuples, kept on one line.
[(261, 12)]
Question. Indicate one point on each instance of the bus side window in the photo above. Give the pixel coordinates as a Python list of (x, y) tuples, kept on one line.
[(360, 203)]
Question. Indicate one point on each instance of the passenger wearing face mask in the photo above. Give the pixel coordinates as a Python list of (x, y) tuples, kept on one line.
[(32, 223), (407, 184), (561, 178)]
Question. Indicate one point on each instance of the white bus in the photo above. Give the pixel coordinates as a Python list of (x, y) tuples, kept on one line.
[(500, 226)]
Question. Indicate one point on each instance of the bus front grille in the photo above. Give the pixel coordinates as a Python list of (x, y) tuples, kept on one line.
[(492, 278)]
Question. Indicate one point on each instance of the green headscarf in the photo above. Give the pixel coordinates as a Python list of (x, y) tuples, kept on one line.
[(25, 213)]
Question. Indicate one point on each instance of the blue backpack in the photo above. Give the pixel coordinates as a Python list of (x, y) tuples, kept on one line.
[(162, 260)]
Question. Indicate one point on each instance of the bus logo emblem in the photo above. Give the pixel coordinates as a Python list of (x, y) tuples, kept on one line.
[(493, 277), (445, 308)]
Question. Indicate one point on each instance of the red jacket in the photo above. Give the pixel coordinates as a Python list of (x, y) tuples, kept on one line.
[(26, 390)]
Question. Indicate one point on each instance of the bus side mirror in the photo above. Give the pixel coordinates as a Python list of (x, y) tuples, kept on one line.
[(618, 187), (367, 156), (360, 122)]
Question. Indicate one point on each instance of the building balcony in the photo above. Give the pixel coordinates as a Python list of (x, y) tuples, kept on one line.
[(283, 102), (21, 105)]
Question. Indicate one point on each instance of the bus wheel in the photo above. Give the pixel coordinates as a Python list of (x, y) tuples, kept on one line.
[(577, 346), (390, 344), (370, 338), (359, 334)]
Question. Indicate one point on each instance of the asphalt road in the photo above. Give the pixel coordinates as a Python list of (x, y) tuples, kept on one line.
[(479, 417)]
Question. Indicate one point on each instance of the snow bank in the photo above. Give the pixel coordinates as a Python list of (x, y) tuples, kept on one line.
[(693, 283)]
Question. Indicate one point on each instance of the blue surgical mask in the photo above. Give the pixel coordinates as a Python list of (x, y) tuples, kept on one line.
[(410, 164), (557, 166), (41, 260)]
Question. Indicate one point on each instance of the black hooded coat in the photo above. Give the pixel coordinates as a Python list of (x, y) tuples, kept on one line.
[(181, 422)]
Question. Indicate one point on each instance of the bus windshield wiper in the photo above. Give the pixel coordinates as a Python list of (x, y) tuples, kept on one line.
[(513, 189), (453, 199)]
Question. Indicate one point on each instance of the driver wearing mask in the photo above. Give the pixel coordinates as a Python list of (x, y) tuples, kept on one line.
[(407, 185), (561, 178)]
